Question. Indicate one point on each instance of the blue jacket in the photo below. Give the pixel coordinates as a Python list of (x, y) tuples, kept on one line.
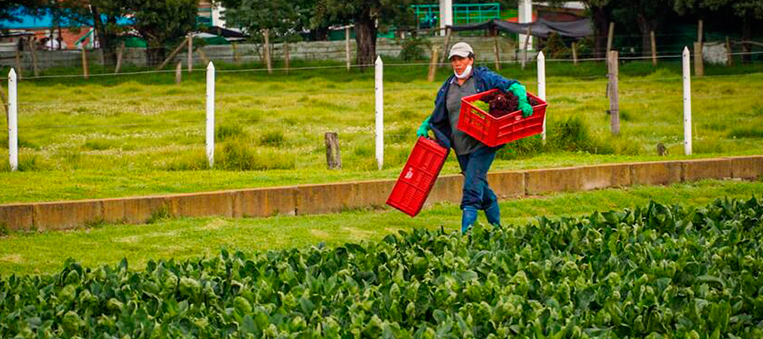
[(484, 79)]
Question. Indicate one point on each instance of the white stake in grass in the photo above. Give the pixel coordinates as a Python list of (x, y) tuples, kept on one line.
[(379, 112), (542, 85), (211, 114), (13, 129), (687, 101)]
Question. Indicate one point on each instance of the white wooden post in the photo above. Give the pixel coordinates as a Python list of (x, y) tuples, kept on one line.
[(13, 129), (446, 15), (687, 101), (525, 16), (211, 114), (542, 85), (379, 80)]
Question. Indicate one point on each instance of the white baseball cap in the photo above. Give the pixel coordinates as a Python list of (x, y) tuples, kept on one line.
[(461, 49)]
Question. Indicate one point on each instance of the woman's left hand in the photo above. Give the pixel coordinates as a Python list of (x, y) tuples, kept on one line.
[(526, 109)]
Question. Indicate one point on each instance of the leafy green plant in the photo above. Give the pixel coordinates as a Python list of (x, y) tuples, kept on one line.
[(273, 138), (226, 132), (634, 273), (160, 214), (746, 132), (484, 106), (521, 148), (574, 134), (99, 144), (555, 47), (236, 155), (414, 49)]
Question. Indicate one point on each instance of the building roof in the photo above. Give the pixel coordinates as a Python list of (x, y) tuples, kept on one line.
[(579, 5)]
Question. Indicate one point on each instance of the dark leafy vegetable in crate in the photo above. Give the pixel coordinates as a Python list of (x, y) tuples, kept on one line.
[(499, 104), (654, 271)]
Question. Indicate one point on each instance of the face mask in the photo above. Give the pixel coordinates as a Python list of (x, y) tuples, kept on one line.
[(465, 74)]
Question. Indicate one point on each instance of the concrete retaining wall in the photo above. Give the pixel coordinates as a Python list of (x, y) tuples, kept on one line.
[(247, 53), (336, 197)]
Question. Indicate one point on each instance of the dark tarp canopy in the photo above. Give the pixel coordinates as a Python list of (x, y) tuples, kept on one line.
[(224, 32), (540, 28)]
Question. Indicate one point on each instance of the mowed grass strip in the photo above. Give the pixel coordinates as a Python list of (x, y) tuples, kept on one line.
[(137, 135), (25, 253)]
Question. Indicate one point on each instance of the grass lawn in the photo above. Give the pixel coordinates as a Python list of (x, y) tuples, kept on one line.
[(142, 134), (22, 253)]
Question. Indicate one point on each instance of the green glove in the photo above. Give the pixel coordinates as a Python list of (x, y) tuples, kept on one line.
[(521, 94), (526, 109), (424, 128)]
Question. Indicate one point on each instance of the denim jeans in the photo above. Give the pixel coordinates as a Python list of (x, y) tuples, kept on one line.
[(477, 194)]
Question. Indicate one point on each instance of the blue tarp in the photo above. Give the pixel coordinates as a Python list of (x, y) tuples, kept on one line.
[(45, 20)]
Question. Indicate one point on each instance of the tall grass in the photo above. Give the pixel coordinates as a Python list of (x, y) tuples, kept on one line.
[(148, 123)]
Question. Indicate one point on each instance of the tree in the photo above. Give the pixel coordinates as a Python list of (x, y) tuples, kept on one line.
[(601, 15), (365, 14), (288, 18), (100, 14), (280, 17), (9, 9), (747, 10), (648, 15), (161, 23)]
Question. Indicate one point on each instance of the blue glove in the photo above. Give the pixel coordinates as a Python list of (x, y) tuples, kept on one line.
[(424, 129), (521, 94)]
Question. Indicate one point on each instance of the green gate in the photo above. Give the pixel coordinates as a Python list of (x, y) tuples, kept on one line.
[(428, 16)]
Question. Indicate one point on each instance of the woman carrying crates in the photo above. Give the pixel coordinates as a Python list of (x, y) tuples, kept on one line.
[(474, 157)]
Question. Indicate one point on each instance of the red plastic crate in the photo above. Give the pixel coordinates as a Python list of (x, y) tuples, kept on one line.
[(498, 131), (418, 176)]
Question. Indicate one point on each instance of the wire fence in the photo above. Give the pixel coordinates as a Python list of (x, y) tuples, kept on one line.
[(253, 53), (354, 66), (361, 136)]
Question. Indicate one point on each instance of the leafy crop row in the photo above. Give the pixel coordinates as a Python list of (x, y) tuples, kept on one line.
[(652, 271)]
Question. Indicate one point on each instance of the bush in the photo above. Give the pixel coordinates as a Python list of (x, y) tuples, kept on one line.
[(99, 144), (226, 132), (193, 161), (746, 132), (23, 143), (27, 163), (272, 138), (414, 49), (238, 156), (584, 48), (364, 151), (521, 148), (403, 134), (555, 47), (573, 135)]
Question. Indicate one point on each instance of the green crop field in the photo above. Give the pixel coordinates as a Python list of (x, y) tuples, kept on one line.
[(682, 266), (183, 238), (142, 134)]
